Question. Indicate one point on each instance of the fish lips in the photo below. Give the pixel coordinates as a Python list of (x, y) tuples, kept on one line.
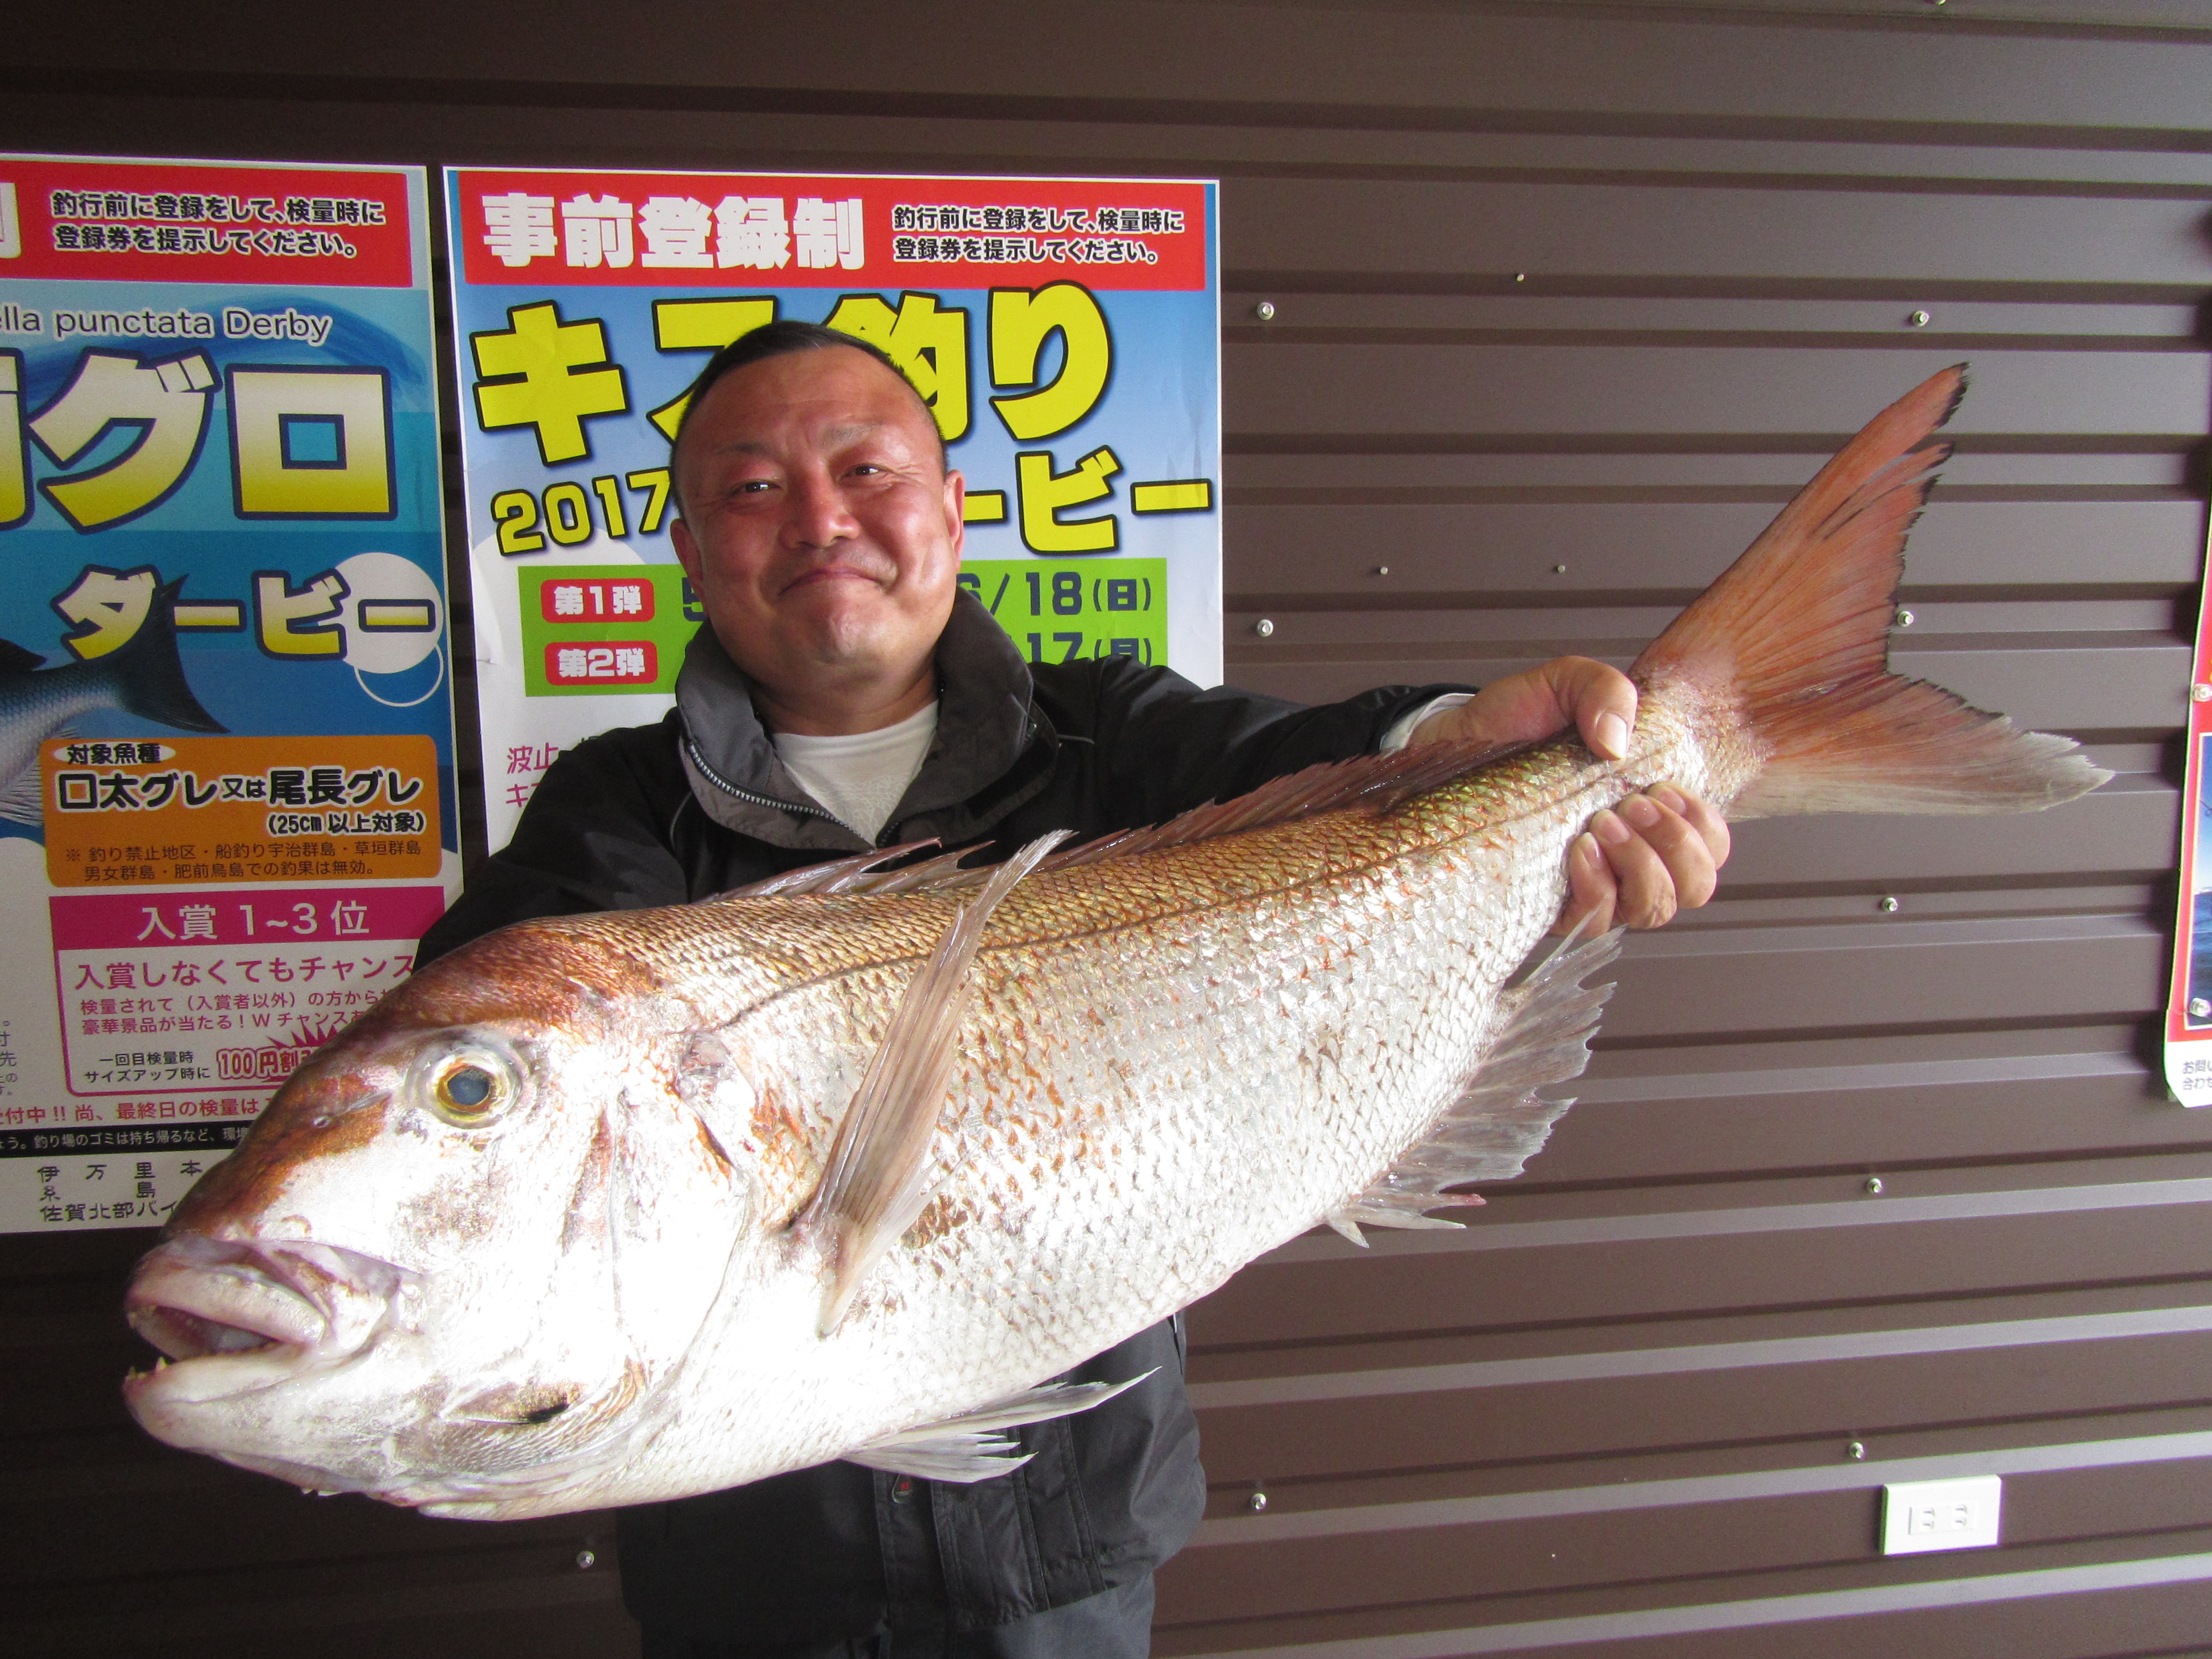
[(234, 1318)]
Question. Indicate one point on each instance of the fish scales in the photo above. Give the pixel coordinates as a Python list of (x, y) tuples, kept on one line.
[(604, 1209), (1351, 966)]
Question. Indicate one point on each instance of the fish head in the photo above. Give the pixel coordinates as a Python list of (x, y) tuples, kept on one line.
[(465, 1248)]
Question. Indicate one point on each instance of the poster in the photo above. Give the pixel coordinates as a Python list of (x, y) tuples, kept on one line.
[(1063, 331), (227, 797)]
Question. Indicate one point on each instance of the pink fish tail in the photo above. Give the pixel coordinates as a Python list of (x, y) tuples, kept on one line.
[(1794, 639)]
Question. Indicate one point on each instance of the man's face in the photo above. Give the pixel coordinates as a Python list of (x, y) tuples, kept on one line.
[(818, 526)]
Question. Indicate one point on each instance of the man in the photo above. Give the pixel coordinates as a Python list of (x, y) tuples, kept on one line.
[(846, 695)]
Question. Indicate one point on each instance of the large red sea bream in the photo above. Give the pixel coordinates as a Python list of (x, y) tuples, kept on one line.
[(622, 1207)]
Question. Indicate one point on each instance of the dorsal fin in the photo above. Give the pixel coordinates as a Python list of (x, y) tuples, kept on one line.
[(1377, 783), (1500, 1121), (876, 1183), (838, 876)]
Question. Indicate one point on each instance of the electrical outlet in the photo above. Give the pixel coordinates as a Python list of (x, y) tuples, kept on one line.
[(1939, 1515)]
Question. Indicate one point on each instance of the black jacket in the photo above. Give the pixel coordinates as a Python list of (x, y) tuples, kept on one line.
[(699, 804)]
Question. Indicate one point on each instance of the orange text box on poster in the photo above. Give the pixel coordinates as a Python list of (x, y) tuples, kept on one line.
[(131, 813)]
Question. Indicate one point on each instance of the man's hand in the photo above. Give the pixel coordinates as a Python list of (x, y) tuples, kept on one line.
[(1658, 853)]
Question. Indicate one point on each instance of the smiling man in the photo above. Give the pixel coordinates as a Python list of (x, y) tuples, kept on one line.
[(847, 695)]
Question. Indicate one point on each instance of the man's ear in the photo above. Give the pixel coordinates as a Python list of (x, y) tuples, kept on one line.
[(956, 510), (687, 551)]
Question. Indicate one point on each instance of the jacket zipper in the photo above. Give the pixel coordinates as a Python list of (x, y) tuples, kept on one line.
[(768, 801)]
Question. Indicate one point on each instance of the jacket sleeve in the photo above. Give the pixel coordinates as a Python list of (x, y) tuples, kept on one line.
[(1165, 744), (596, 836)]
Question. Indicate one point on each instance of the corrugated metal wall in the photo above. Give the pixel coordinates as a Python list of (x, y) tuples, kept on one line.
[(1567, 300)]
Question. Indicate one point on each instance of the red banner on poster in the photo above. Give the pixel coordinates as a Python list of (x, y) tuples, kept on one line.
[(829, 230), (203, 221)]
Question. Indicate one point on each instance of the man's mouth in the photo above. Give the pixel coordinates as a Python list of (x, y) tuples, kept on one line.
[(840, 572)]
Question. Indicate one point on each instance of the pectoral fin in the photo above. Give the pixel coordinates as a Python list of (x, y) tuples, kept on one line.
[(969, 1448), (877, 1183)]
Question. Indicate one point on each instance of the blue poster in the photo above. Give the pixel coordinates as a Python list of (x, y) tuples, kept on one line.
[(226, 785)]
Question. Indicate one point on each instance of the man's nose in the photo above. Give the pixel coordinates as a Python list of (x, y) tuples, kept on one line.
[(817, 515)]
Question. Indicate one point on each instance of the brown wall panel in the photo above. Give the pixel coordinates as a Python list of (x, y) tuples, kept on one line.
[(1912, 974), (1233, 60), (1725, 217), (1663, 1542), (1652, 231), (1509, 549), (1673, 1277), (2121, 1619), (1835, 1401), (1364, 390), (1882, 1127), (2128, 685)]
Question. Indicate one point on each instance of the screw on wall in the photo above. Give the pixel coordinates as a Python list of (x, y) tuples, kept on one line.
[(1903, 617), (1918, 319), (586, 1560), (2200, 692), (1887, 905), (1873, 1185), (1264, 628), (1265, 311), (1855, 1450), (1257, 1503)]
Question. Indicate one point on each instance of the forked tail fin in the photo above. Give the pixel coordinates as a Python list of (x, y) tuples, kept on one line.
[(1796, 635)]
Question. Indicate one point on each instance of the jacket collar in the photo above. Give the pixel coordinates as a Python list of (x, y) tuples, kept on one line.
[(984, 761)]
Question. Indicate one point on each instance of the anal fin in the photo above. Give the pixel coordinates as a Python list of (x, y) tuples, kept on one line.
[(971, 1446), (1500, 1121)]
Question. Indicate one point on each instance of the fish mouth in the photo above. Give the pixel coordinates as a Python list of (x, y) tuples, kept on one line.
[(233, 1317)]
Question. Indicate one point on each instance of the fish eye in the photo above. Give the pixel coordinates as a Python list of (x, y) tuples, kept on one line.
[(465, 1088), (472, 1087)]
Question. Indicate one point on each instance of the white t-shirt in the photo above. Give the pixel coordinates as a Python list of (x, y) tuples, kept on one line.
[(860, 778)]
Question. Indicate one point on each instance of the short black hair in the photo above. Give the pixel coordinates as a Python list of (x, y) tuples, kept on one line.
[(781, 339)]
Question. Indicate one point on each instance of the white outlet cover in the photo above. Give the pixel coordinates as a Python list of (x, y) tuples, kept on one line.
[(1917, 1515)]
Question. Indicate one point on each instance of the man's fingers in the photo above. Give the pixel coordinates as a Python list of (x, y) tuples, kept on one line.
[(1647, 887), (1599, 699), (1691, 872), (1712, 828), (1591, 890)]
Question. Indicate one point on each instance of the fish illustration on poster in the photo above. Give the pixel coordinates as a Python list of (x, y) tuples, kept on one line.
[(227, 784), (1065, 333)]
